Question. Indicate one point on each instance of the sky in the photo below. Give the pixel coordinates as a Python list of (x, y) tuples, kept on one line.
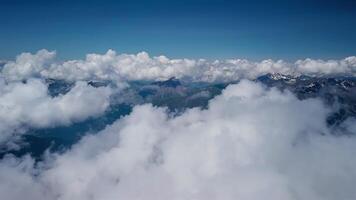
[(212, 29)]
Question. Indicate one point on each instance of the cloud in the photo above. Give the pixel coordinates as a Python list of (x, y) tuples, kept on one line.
[(29, 105), (251, 143), (320, 67), (123, 67), (28, 65)]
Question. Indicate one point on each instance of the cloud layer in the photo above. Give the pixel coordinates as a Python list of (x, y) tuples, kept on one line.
[(251, 143), (29, 105), (123, 67)]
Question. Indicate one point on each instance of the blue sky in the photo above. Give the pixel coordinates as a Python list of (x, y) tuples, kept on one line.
[(194, 29)]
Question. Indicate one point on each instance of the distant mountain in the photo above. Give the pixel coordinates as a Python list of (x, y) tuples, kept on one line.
[(57, 87), (172, 82), (338, 92)]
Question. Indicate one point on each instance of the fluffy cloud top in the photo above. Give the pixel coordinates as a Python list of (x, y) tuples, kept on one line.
[(251, 143), (122, 67), (28, 65), (29, 105)]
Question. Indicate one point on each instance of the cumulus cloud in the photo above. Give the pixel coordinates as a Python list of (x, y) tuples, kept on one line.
[(29, 105), (251, 143), (123, 67), (320, 67), (28, 65)]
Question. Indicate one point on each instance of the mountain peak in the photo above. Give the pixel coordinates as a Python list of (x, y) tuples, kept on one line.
[(171, 82)]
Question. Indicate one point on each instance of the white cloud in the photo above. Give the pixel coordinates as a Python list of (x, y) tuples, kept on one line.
[(28, 65), (251, 143), (320, 67), (29, 105), (122, 67)]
